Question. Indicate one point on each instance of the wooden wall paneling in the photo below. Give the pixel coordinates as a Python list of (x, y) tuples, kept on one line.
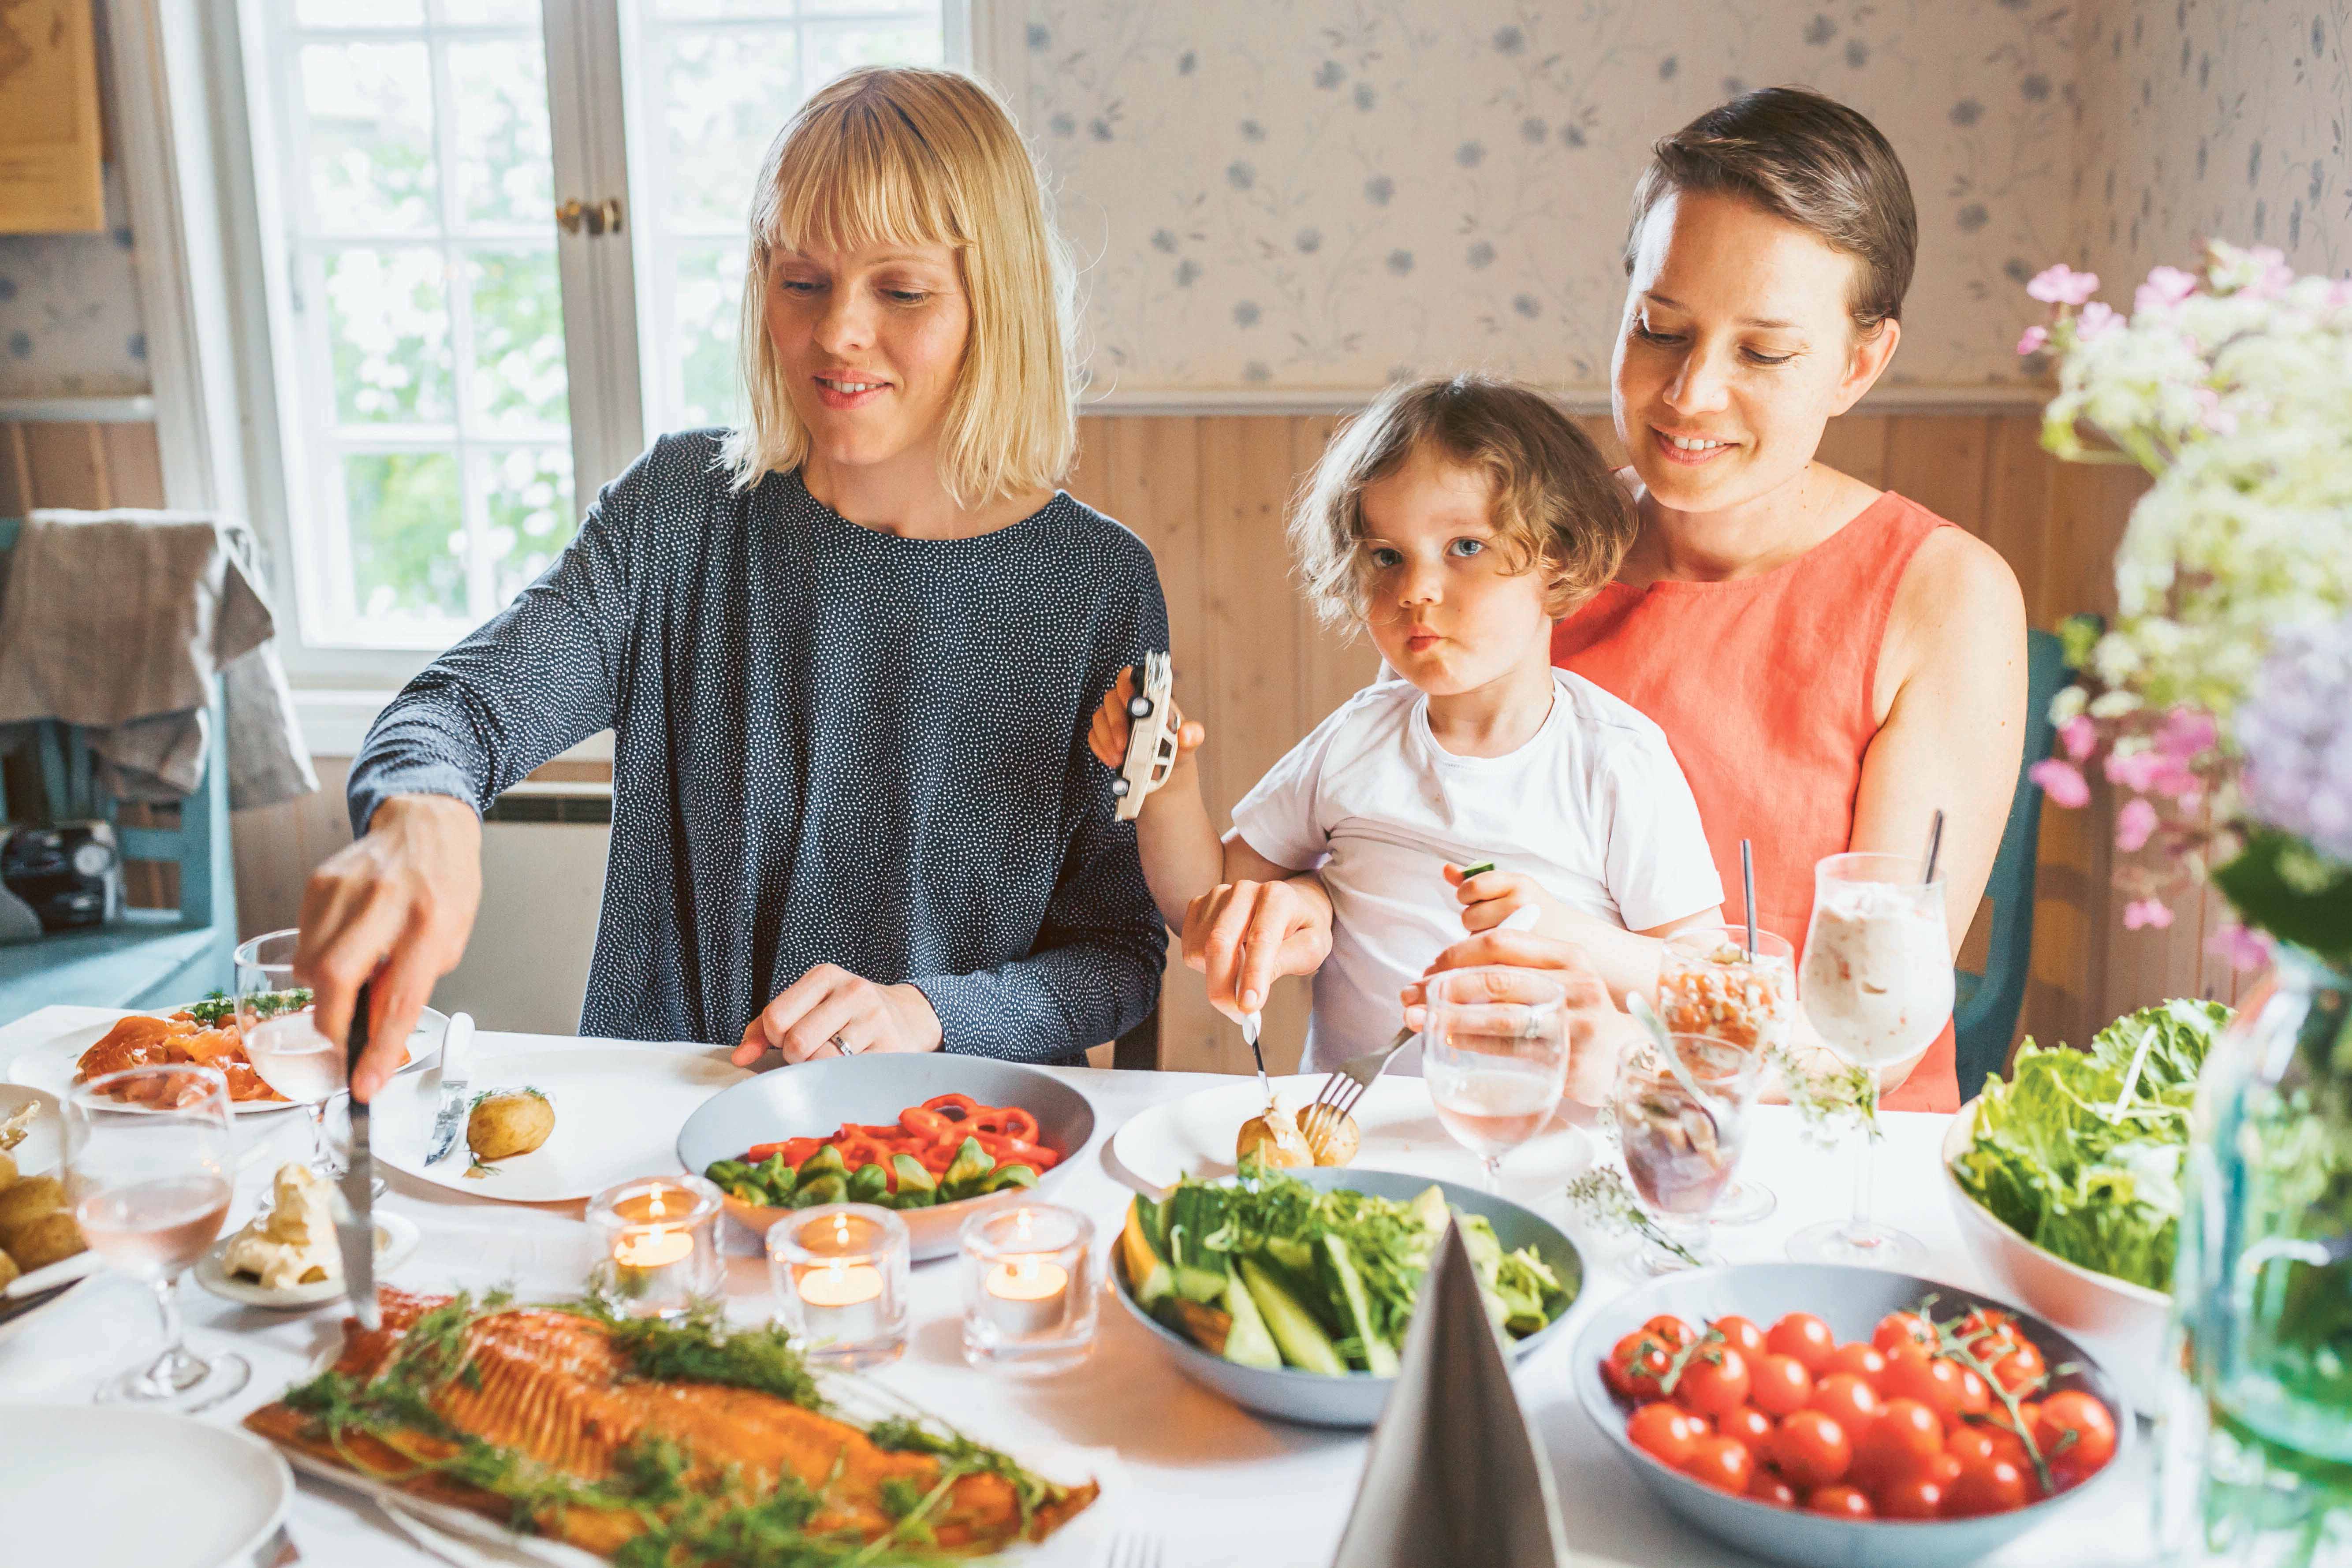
[(1339, 660), (1856, 444), (1602, 428), (15, 471), (65, 465), (2017, 511), (131, 463), (278, 845), (1939, 462)]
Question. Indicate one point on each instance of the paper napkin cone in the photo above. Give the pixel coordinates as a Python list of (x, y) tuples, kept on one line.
[(1455, 1478)]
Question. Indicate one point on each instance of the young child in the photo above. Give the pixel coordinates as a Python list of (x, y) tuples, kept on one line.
[(1455, 520)]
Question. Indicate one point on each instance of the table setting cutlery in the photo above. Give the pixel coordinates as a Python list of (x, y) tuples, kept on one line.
[(457, 1071), (355, 1215)]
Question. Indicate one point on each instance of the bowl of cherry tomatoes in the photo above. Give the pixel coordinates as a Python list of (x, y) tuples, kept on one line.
[(1822, 1416)]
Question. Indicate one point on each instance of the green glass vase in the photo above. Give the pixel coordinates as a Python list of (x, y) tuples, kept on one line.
[(2255, 1439)]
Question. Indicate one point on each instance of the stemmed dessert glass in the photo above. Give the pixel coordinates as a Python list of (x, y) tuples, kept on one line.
[(1682, 1108), (150, 1167), (1495, 1056), (1876, 985), (1711, 983), (274, 1022)]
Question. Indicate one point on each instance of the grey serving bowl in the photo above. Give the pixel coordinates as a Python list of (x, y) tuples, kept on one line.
[(1850, 1300), (815, 1099), (1317, 1399)]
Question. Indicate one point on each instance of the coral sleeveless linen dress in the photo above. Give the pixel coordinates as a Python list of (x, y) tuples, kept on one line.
[(1763, 687)]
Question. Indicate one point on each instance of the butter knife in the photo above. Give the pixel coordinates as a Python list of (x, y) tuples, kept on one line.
[(456, 1068), (355, 1218)]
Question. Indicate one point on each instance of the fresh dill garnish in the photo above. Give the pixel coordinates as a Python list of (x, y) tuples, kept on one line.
[(702, 1347), (959, 1456)]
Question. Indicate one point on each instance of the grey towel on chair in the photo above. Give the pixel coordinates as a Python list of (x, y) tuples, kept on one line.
[(119, 621)]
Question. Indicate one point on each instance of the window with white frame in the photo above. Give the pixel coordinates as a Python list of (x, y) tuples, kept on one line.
[(476, 320)]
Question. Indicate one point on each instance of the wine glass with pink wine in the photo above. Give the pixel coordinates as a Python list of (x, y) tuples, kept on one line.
[(150, 1163), (1494, 1052)]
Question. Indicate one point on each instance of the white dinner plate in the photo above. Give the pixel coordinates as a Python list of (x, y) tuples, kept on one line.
[(44, 1144), (1399, 1128), (617, 1113), (52, 1064), (107, 1484), (395, 1238)]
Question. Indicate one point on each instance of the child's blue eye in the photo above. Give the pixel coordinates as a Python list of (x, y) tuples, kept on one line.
[(1467, 547), (1384, 558)]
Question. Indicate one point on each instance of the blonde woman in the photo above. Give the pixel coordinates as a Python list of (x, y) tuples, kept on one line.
[(847, 653)]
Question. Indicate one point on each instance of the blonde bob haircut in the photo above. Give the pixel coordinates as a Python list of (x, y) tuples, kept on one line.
[(1557, 506), (906, 157)]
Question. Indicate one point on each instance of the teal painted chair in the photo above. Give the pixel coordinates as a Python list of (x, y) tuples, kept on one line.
[(149, 958), (1984, 1014)]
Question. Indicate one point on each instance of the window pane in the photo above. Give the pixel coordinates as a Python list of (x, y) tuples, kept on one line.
[(834, 48), (388, 326), (505, 175), (706, 284), (491, 13), (358, 12), (518, 322), (668, 10), (531, 514), (725, 94), (371, 137), (407, 535)]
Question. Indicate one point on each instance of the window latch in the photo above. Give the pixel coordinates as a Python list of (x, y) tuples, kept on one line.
[(594, 218)]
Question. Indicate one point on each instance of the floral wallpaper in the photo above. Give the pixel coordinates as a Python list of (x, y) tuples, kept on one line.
[(70, 322), (2221, 118), (1305, 194)]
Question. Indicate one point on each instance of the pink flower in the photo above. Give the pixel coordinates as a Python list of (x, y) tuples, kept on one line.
[(2061, 284), (2035, 339), (2164, 286), (2188, 734), (2061, 782), (2097, 318), (2134, 825), (2275, 275), (2146, 912), (2244, 949), (2078, 735)]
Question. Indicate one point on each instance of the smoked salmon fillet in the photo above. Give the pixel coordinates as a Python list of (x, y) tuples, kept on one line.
[(556, 1388)]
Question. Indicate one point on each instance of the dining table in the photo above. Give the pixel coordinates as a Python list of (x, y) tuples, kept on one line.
[(1185, 1473)]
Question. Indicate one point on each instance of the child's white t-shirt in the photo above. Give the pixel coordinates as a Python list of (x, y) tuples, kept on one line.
[(1593, 807)]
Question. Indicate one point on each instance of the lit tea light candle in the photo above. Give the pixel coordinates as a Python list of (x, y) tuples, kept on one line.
[(834, 1268), (1025, 1295), (660, 1244)]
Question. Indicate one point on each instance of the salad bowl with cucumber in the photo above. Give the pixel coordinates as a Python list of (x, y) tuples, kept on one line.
[(1289, 1292)]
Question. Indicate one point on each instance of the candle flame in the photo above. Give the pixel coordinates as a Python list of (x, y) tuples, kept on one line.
[(841, 1229), (654, 1209)]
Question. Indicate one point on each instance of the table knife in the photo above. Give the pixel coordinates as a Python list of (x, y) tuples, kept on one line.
[(355, 1219), (456, 1051)]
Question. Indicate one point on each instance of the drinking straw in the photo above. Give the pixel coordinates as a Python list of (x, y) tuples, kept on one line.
[(1747, 885), (1935, 844)]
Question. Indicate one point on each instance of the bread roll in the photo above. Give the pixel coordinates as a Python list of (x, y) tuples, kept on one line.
[(45, 1240), (25, 1202), (8, 1270)]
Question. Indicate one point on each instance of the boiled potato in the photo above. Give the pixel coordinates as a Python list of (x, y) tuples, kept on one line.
[(1274, 1139), (45, 1240), (1332, 1139), (508, 1123), (26, 1202)]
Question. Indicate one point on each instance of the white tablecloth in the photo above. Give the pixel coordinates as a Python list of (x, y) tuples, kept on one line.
[(1219, 1486)]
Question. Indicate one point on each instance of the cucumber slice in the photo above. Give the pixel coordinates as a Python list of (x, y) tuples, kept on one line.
[(1247, 1341), (1300, 1338), (1347, 1288)]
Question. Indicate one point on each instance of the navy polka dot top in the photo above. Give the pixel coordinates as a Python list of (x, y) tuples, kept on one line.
[(830, 745)]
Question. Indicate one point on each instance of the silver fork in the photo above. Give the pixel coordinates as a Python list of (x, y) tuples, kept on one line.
[(1131, 1551), (1346, 1084)]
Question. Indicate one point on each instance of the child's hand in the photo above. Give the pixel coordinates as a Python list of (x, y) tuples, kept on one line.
[(1492, 897), (1106, 737)]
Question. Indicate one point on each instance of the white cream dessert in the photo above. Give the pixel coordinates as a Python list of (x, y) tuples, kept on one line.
[(1877, 981), (294, 1243)]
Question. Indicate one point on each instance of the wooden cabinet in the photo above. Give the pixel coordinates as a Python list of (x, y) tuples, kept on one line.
[(50, 138)]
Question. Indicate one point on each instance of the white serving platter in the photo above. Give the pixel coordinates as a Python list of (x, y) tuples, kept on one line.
[(1397, 1126), (618, 1109), (43, 1145), (51, 1064), (197, 1495), (395, 1238)]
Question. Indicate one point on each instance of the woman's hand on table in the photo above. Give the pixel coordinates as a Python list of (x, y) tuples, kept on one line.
[(831, 1012), (1597, 1032), (1244, 935), (392, 909)]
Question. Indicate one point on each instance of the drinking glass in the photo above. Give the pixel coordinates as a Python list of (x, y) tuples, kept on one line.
[(1709, 983), (149, 1160), (286, 1050), (1876, 985), (1494, 1055), (1681, 1112)]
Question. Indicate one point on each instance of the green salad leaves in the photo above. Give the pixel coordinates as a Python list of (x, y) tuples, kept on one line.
[(2080, 1150)]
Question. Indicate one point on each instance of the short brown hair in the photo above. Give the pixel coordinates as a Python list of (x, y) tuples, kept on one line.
[(1808, 158), (1556, 502)]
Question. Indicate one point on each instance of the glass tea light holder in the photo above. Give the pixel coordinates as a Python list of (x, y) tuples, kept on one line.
[(657, 1246), (840, 1277), (1029, 1289)]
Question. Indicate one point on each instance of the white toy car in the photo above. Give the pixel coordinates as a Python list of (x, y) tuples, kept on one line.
[(1151, 737)]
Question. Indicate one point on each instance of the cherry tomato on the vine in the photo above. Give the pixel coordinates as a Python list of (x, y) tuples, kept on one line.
[(1804, 1337), (1995, 1486), (1779, 1384), (1844, 1502), (1765, 1487), (1743, 1333), (1848, 1398), (1909, 1497), (1671, 1328), (1723, 1463), (1665, 1433), (1862, 1360), (1897, 1330), (2075, 1429), (1811, 1449), (1713, 1381), (1747, 1424)]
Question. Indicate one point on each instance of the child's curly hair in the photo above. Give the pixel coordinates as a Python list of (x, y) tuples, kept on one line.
[(1556, 502)]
